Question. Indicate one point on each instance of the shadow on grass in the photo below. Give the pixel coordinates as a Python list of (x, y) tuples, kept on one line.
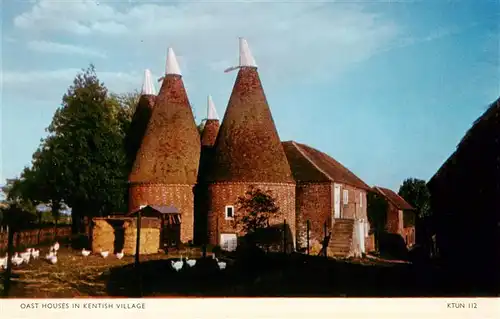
[(277, 275)]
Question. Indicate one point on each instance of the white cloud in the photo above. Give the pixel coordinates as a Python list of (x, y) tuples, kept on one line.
[(289, 40), (61, 48), (51, 85)]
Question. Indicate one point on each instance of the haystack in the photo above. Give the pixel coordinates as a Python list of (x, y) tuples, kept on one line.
[(150, 236), (116, 233)]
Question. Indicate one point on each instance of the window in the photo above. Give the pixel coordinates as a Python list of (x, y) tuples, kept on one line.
[(229, 212), (360, 199), (346, 196)]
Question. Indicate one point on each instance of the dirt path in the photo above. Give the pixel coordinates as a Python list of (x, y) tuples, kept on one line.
[(72, 276)]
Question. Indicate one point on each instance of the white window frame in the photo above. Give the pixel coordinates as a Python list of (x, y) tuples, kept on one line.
[(345, 196), (225, 212), (361, 199)]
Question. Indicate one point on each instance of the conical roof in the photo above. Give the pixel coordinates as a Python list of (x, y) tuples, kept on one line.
[(148, 87), (170, 149), (211, 126), (140, 118), (138, 126), (248, 148)]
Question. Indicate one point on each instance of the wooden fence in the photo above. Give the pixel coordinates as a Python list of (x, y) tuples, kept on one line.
[(35, 236)]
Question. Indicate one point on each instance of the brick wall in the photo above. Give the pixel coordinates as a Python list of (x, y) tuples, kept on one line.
[(180, 196), (313, 203), (30, 237), (370, 243), (409, 235), (222, 194), (394, 222), (395, 225)]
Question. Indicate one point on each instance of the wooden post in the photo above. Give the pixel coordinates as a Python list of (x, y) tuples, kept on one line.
[(284, 236), (308, 226), (137, 250), (324, 228), (138, 239), (8, 272)]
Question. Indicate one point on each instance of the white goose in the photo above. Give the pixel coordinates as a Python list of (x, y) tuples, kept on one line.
[(177, 265), (221, 264), (16, 260), (120, 254), (85, 253), (104, 254), (35, 253), (26, 256), (3, 262), (190, 262), (51, 257)]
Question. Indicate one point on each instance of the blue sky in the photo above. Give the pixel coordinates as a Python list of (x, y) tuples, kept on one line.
[(387, 88)]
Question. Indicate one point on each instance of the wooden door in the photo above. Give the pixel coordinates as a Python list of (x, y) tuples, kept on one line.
[(336, 200)]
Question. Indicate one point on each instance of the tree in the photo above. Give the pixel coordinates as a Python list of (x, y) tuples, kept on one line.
[(255, 209), (415, 192), (15, 191), (82, 162)]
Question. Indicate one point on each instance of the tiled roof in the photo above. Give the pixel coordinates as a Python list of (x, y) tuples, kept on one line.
[(311, 165), (248, 148), (394, 198)]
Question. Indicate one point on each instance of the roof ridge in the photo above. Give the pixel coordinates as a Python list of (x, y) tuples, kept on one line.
[(379, 188), (311, 161)]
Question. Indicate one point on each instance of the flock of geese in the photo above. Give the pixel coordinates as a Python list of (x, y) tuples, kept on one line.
[(32, 254), (103, 254), (178, 265)]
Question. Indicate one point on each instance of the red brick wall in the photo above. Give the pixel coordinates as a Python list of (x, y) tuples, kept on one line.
[(370, 243), (313, 203), (409, 235), (394, 223), (180, 196), (30, 237), (222, 194)]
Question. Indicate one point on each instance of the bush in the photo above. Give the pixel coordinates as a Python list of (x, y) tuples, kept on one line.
[(393, 246)]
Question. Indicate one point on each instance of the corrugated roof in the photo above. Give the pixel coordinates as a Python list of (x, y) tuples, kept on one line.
[(394, 198), (311, 165)]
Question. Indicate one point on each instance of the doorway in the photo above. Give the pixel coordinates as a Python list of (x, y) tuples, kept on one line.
[(336, 201), (170, 233)]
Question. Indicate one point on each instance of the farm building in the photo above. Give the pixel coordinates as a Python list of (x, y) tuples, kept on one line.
[(202, 176), (400, 218), (328, 194), (465, 200)]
